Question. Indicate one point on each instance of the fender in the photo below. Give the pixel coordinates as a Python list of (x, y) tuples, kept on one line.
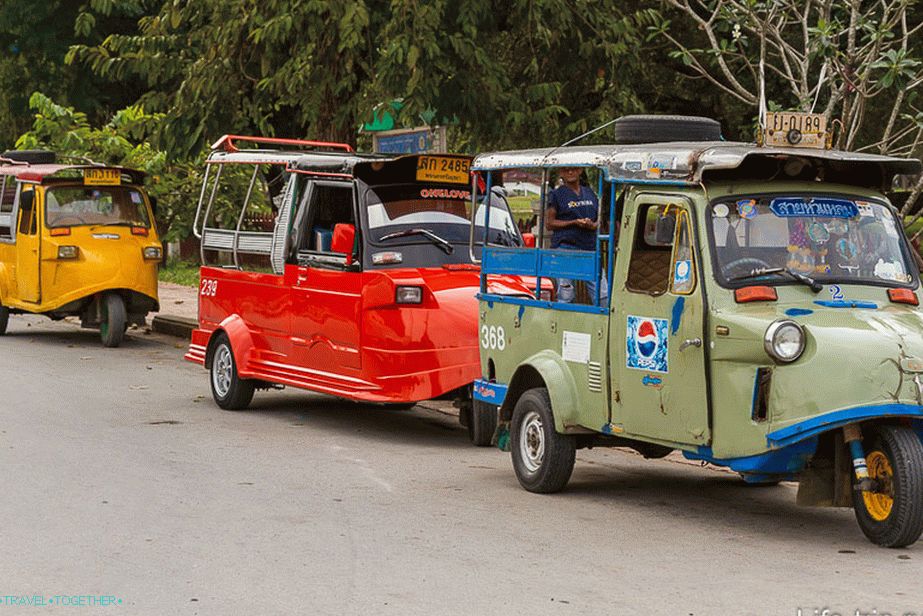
[(553, 371), (241, 343)]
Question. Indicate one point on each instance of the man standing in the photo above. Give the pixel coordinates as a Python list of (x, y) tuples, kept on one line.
[(573, 219)]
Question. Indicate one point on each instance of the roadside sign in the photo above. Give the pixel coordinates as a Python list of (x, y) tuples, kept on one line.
[(410, 140)]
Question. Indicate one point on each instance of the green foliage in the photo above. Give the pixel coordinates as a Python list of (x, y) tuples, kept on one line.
[(124, 140), (181, 272)]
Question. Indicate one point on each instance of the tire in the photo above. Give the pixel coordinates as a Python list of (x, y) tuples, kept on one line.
[(663, 128), (34, 157), (114, 322), (482, 423), (4, 318), (893, 517), (230, 392), (542, 458)]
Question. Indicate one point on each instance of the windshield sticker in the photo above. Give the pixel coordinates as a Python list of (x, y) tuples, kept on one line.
[(632, 165), (865, 209), (576, 347), (892, 270), (792, 207), (682, 272), (135, 197), (818, 233), (847, 249), (445, 193), (646, 344), (721, 211), (747, 208)]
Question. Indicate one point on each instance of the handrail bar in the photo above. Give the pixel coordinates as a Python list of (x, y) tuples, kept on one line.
[(226, 143)]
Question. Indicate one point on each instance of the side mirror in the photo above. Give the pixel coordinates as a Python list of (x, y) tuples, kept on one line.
[(344, 238), (665, 229), (528, 240)]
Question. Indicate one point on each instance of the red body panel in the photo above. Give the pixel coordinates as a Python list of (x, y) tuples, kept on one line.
[(342, 333)]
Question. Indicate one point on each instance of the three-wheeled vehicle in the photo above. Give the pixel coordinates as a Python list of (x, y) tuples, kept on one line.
[(76, 240), (343, 273), (764, 316)]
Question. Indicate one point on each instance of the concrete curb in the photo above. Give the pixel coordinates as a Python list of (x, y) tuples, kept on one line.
[(181, 327)]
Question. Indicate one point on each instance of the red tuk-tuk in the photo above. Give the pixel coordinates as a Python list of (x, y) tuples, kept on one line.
[(344, 273)]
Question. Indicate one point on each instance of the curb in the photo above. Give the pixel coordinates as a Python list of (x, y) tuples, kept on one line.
[(181, 327)]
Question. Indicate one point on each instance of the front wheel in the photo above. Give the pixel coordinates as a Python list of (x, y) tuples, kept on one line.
[(4, 318), (892, 515), (114, 322), (542, 458), (230, 392), (482, 423)]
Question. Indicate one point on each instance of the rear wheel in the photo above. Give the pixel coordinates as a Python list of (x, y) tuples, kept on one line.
[(482, 423), (892, 515), (4, 318), (114, 320), (542, 458), (230, 392)]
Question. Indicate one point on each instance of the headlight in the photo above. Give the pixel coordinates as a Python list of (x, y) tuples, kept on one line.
[(153, 252), (68, 252), (409, 295), (784, 341)]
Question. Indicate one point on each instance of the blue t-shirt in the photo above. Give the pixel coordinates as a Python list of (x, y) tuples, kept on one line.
[(568, 206)]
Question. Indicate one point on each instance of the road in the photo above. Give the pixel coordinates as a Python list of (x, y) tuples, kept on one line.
[(121, 478)]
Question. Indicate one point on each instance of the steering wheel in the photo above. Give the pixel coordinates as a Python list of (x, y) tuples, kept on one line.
[(750, 263), (66, 217)]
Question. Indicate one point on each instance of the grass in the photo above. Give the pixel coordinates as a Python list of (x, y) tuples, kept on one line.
[(521, 206), (176, 271)]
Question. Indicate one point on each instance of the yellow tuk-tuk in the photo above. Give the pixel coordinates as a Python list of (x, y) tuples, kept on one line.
[(76, 240)]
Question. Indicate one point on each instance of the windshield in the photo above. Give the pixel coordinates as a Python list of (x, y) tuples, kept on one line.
[(394, 211), (70, 206), (830, 239)]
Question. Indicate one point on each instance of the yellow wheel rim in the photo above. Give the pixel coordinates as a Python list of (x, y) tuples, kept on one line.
[(878, 504)]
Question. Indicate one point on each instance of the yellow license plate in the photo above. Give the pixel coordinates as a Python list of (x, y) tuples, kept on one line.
[(102, 177), (795, 129), (443, 169)]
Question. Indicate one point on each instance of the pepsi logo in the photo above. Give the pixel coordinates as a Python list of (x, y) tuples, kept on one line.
[(647, 339)]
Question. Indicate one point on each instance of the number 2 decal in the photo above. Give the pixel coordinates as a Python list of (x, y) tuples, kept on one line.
[(209, 288), (493, 337), (835, 292)]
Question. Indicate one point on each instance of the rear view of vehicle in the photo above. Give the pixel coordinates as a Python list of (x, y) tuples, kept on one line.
[(76, 240), (362, 286)]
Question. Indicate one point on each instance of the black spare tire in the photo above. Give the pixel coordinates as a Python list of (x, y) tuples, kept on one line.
[(34, 157), (661, 128)]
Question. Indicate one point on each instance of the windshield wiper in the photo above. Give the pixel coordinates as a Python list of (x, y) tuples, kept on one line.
[(762, 271), (435, 239)]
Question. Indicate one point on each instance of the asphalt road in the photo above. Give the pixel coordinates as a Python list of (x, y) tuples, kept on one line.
[(121, 478)]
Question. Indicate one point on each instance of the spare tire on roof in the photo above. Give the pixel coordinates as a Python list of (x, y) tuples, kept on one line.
[(660, 128), (34, 157)]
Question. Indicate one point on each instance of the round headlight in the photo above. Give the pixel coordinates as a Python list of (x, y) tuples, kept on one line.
[(784, 341)]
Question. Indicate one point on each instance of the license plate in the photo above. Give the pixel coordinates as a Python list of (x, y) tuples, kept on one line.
[(795, 129), (102, 177), (443, 169)]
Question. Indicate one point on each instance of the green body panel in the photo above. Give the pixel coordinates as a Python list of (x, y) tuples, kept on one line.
[(853, 356)]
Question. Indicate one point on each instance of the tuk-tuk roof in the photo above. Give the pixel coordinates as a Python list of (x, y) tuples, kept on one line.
[(688, 162), (39, 173)]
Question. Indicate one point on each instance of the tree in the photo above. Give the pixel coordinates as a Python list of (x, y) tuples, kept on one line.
[(123, 140), (857, 62), (34, 40), (511, 73)]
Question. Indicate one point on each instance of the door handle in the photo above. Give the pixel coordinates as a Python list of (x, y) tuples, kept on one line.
[(696, 342)]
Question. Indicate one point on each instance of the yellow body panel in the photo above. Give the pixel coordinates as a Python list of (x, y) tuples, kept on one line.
[(110, 257)]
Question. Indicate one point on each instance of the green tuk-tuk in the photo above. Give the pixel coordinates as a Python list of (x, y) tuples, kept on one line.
[(763, 316)]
